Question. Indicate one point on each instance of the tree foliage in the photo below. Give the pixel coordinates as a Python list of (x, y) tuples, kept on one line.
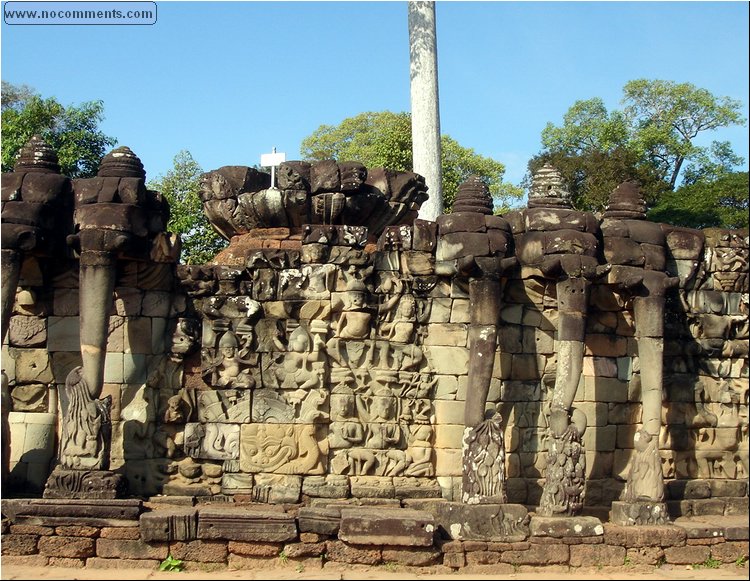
[(383, 139), (72, 131), (652, 140), (181, 186), (667, 116), (721, 203), (13, 95), (591, 176)]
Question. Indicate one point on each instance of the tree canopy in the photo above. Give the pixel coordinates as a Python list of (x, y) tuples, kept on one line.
[(652, 140), (181, 186), (73, 131), (383, 139), (720, 203)]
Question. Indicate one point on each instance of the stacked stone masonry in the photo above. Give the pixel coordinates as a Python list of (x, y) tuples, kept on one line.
[(339, 348), (414, 535)]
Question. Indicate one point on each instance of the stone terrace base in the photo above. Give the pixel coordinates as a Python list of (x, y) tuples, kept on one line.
[(137, 534), (639, 513)]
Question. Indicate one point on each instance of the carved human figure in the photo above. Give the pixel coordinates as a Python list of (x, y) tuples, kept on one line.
[(229, 368), (346, 429), (401, 329), (361, 461), (176, 411), (302, 364), (416, 396), (419, 451), (354, 322)]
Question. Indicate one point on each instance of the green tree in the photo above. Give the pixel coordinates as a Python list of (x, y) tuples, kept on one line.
[(181, 186), (383, 139), (72, 131), (652, 140), (591, 176), (12, 95), (718, 160), (667, 116), (587, 128), (720, 203)]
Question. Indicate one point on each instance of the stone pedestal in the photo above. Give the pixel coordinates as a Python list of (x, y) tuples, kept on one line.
[(639, 512), (84, 484), (566, 526), (500, 522)]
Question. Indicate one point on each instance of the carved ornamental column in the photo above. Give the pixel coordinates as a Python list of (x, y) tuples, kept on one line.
[(475, 243), (36, 215), (561, 245), (637, 250), (112, 219)]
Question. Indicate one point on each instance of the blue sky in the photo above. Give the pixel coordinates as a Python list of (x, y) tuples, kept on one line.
[(230, 80)]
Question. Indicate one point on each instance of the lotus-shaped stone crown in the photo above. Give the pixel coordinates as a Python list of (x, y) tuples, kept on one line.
[(238, 199)]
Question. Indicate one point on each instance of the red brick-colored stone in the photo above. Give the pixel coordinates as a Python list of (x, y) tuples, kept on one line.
[(77, 531), (73, 547), (67, 562), (452, 547), (200, 551), (483, 558), (249, 549), (25, 560), (128, 533), (19, 544), (645, 555), (99, 563), (353, 554), (644, 536), (130, 549), (538, 555), (471, 546), (411, 556), (689, 555), (42, 531), (730, 551), (597, 555), (299, 550), (455, 560)]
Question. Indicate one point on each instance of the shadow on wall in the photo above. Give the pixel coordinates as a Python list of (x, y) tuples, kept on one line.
[(32, 451)]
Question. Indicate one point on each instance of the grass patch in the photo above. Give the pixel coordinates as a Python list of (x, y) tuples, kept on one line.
[(709, 563)]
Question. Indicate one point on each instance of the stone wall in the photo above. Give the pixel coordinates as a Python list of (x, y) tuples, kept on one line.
[(329, 361), (335, 534), (706, 383)]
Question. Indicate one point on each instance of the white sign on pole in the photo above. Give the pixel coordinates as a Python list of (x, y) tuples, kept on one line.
[(272, 160)]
